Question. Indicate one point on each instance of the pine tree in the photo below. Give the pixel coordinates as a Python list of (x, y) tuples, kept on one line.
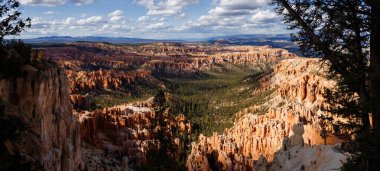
[(11, 24), (12, 53), (346, 35), (161, 155)]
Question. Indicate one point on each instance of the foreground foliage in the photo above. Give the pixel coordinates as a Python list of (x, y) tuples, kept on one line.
[(346, 34)]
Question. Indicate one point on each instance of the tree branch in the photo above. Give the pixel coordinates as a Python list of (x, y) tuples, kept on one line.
[(303, 24)]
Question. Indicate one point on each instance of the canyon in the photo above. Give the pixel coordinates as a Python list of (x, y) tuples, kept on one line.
[(94, 110), (293, 123)]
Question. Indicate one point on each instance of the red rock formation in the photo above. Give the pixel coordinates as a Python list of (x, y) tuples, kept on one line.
[(123, 129), (42, 98), (244, 55), (293, 119), (84, 82)]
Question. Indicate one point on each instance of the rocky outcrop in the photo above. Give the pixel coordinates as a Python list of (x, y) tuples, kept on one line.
[(320, 158), (243, 55), (100, 80), (293, 118), (41, 97), (124, 130)]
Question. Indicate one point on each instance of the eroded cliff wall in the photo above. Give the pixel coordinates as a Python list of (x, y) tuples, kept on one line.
[(41, 97), (122, 131), (290, 117)]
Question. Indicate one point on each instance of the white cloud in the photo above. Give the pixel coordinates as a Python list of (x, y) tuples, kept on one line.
[(150, 19), (116, 18), (242, 4), (43, 2), (90, 20), (93, 25), (166, 7), (160, 25), (236, 7), (235, 17), (145, 2), (265, 17), (116, 13), (224, 17), (143, 18), (80, 2), (54, 2), (231, 14), (70, 21)]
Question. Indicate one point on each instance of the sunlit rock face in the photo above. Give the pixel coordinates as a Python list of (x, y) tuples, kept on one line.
[(290, 120), (41, 98), (84, 82), (122, 131)]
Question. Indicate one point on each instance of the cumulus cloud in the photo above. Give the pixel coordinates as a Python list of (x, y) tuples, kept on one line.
[(149, 19), (69, 21), (90, 20), (166, 7), (241, 4), (266, 16), (54, 2), (116, 15), (223, 17), (143, 18), (234, 14), (160, 25), (80, 2), (43, 2), (82, 25)]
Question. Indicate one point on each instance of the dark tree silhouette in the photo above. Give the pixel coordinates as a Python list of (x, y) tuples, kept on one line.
[(162, 152), (346, 34), (11, 24), (12, 53)]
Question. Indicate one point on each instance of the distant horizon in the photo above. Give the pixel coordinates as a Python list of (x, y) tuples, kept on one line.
[(124, 37)]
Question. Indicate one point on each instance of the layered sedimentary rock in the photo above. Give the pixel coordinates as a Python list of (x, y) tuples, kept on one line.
[(100, 80), (41, 98), (123, 131), (244, 55), (293, 119), (161, 58)]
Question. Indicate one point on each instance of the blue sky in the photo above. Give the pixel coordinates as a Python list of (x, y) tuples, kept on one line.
[(158, 19)]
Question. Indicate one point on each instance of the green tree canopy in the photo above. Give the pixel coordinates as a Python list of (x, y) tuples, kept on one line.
[(346, 34)]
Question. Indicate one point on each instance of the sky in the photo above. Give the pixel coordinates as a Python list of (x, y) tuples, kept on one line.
[(152, 19)]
